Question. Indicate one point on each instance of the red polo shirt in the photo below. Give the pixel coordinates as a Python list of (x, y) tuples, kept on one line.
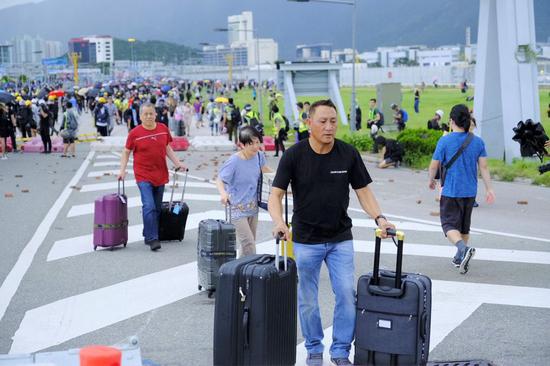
[(149, 147)]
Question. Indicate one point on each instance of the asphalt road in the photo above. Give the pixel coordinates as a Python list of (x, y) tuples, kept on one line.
[(57, 293)]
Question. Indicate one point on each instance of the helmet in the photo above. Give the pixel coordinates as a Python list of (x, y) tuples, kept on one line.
[(51, 97), (440, 113), (393, 106), (247, 107), (18, 99), (28, 103), (102, 100)]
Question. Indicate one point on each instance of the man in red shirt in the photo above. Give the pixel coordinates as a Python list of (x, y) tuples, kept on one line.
[(150, 144)]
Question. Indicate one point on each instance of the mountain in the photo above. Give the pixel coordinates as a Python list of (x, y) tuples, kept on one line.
[(153, 51), (190, 22)]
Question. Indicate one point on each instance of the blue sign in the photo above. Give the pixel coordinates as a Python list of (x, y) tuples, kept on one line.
[(58, 61)]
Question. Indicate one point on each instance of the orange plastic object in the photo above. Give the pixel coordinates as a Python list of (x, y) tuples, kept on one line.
[(100, 356)]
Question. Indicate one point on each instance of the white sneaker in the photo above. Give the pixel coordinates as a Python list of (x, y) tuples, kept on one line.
[(4, 157)]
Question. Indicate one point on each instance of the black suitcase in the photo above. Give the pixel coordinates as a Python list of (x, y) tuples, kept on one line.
[(256, 312), (393, 314), (173, 215), (216, 245)]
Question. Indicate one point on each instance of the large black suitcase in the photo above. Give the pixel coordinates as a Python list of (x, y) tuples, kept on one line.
[(173, 215), (393, 314), (256, 312), (216, 245)]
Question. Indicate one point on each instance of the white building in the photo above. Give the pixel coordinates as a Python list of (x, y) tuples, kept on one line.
[(345, 55), (241, 34), (53, 49), (240, 28), (104, 50), (441, 56)]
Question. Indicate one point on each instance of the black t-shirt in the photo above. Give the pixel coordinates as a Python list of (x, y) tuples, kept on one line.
[(394, 151), (320, 187)]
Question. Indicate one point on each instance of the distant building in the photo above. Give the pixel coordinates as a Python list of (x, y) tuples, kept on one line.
[(345, 55), (5, 54), (84, 49), (93, 49), (314, 52), (240, 36), (218, 55), (241, 28)]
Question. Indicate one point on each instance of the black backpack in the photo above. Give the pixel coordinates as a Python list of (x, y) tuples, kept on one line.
[(235, 115), (287, 124)]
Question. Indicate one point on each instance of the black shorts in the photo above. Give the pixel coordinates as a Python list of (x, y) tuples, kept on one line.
[(456, 213), (69, 140)]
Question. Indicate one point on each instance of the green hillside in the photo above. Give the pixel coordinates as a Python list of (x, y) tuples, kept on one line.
[(154, 51)]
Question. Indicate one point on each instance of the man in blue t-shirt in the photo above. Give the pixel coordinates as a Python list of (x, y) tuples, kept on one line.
[(460, 186)]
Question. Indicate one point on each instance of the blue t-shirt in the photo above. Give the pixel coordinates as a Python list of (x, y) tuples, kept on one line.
[(240, 178), (461, 178)]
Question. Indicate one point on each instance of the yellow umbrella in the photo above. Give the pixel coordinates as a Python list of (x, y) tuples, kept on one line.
[(221, 100)]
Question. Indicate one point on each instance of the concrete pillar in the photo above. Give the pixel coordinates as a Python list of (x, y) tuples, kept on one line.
[(506, 89)]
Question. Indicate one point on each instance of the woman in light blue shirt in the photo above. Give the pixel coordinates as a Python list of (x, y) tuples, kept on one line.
[(238, 186)]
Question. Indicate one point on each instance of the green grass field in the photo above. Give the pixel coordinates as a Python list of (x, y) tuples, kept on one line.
[(430, 100)]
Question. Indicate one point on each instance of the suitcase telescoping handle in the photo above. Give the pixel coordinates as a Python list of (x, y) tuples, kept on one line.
[(228, 212), (278, 240), (174, 186), (399, 263), (123, 187)]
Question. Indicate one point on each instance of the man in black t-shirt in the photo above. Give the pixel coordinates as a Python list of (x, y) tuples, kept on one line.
[(320, 170)]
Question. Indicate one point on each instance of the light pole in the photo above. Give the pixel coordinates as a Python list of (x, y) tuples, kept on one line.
[(257, 55), (352, 3), (132, 61)]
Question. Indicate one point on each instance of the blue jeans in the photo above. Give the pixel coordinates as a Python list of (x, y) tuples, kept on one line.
[(151, 198), (339, 260)]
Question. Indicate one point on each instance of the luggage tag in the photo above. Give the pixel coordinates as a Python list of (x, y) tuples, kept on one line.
[(177, 208)]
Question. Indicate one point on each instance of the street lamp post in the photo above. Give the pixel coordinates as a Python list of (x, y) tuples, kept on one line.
[(132, 60), (352, 3), (257, 56)]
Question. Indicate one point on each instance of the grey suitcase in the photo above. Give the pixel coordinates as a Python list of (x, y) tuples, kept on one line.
[(216, 246), (393, 314)]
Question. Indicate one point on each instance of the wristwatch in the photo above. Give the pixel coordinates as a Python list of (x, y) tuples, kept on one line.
[(379, 217)]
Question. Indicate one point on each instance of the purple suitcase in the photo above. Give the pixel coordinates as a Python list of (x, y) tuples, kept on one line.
[(111, 220)]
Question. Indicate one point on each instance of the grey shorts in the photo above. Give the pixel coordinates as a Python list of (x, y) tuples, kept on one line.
[(456, 213)]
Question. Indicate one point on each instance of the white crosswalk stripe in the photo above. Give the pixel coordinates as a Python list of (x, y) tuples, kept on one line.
[(64, 319)]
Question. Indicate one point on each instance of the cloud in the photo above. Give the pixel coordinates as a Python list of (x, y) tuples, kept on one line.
[(9, 3)]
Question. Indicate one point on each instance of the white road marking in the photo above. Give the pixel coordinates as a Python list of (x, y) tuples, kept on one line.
[(473, 229), (14, 277), (110, 156), (114, 185), (88, 208), (83, 244), (109, 163), (101, 173), (450, 308), (439, 251), (68, 318)]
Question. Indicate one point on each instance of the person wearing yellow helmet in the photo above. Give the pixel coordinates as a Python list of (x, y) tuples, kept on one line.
[(24, 119), (102, 117)]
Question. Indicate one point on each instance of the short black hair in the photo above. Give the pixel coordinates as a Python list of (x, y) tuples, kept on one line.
[(69, 104), (373, 100), (321, 103), (275, 109), (300, 105), (247, 133), (230, 100), (306, 103), (380, 141)]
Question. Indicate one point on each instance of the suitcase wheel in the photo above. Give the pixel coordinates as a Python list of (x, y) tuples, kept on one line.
[(95, 248), (112, 248), (211, 293), (124, 245), (200, 287)]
